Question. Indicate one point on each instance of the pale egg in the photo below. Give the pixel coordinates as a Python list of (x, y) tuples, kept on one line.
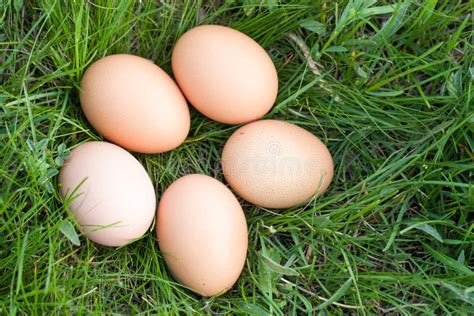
[(108, 192)]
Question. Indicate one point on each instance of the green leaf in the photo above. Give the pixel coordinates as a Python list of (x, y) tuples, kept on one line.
[(61, 149), (249, 7), (66, 155), (276, 267), (254, 309), (18, 4), (396, 21), (342, 290), (315, 53), (386, 9), (396, 228), (461, 257), (430, 230), (427, 11), (454, 39), (361, 72), (336, 49), (464, 295), (63, 154), (31, 145), (59, 161), (41, 145), (271, 4), (321, 221), (49, 186), (314, 26), (68, 230), (390, 93), (456, 242), (448, 261), (51, 173)]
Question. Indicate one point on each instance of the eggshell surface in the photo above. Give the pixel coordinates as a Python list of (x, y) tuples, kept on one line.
[(202, 234), (112, 196), (225, 74), (135, 104), (275, 164)]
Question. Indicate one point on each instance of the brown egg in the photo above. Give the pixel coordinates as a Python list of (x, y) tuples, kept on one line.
[(275, 164), (110, 193), (225, 74), (202, 234), (135, 104)]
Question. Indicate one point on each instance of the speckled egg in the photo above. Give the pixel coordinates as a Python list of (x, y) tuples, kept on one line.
[(275, 164)]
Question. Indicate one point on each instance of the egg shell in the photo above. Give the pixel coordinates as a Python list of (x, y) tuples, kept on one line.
[(202, 234), (275, 164), (225, 74), (112, 196), (135, 104)]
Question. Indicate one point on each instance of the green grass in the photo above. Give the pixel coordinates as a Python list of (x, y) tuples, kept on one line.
[(388, 88)]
